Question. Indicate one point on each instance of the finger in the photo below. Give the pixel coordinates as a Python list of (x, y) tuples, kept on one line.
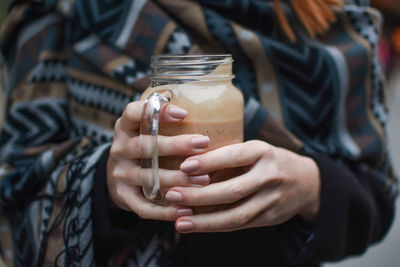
[(128, 173), (213, 194), (130, 119), (236, 155), (181, 145), (170, 178), (255, 211), (134, 200), (119, 148), (224, 192)]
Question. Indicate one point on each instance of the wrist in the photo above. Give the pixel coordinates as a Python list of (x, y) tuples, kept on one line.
[(312, 181)]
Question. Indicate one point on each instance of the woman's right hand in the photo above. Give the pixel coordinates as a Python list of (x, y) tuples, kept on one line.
[(123, 169)]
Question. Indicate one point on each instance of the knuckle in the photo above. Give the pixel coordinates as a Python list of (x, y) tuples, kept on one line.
[(260, 181), (118, 173), (194, 196), (276, 198), (238, 155), (275, 177), (117, 125), (128, 109), (236, 192), (255, 143), (243, 217), (168, 215), (169, 178), (181, 179), (266, 150), (180, 144), (260, 147), (116, 150)]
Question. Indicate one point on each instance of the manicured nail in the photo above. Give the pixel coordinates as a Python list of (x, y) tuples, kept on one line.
[(184, 211), (200, 179), (184, 226), (176, 112), (200, 141), (190, 165), (174, 196)]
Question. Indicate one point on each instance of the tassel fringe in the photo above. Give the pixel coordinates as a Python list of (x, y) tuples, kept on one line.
[(316, 15)]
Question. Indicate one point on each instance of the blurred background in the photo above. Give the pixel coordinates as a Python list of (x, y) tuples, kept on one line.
[(386, 253)]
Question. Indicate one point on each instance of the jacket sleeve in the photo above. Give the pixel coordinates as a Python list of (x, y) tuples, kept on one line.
[(356, 211)]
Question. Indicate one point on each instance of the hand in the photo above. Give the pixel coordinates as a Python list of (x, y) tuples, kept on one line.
[(123, 179), (277, 185)]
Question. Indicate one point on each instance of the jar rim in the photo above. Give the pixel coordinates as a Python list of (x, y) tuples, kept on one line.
[(186, 67), (190, 59)]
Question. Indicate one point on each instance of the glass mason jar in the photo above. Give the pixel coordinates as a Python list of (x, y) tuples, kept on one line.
[(202, 85)]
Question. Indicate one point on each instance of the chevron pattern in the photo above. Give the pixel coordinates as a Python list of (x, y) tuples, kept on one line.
[(86, 128), (100, 97), (104, 17), (34, 123), (130, 72), (178, 43), (307, 85), (48, 71)]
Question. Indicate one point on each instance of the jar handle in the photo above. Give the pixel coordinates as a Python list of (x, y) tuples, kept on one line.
[(149, 126)]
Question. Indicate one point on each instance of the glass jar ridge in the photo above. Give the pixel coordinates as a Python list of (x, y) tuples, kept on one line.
[(187, 68)]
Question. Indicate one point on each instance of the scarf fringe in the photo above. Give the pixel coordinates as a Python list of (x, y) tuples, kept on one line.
[(316, 15)]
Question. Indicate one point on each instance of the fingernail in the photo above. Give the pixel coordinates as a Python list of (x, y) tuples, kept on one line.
[(184, 226), (190, 165), (200, 179), (176, 112), (200, 141), (184, 211), (174, 196)]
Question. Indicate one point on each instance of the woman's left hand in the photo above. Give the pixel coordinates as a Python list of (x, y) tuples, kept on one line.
[(277, 185)]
